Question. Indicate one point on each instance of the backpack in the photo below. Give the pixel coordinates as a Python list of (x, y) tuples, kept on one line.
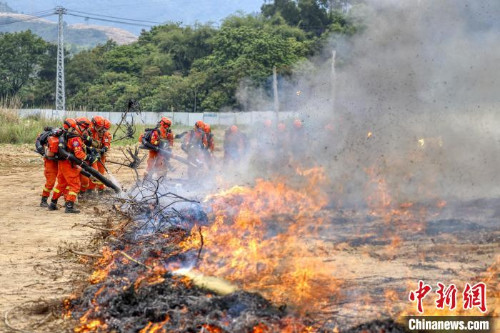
[(52, 146), (145, 139), (49, 138), (148, 133)]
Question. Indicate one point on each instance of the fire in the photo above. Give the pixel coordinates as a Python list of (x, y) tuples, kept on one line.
[(492, 280), (211, 329), (263, 239), (105, 265), (155, 327)]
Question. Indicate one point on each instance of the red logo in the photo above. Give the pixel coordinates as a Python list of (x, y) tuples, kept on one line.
[(447, 296), (473, 296), (419, 294)]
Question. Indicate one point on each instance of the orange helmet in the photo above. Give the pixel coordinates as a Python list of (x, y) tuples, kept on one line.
[(268, 123), (207, 128), (233, 129), (165, 122), (107, 124), (281, 126), (69, 123), (297, 123), (199, 124), (98, 122), (83, 122)]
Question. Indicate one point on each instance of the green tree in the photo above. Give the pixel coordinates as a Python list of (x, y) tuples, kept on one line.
[(183, 45), (310, 15), (41, 91), (245, 47), (285, 8), (22, 55)]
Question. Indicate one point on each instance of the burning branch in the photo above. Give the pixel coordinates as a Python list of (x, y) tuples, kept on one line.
[(133, 260), (201, 246)]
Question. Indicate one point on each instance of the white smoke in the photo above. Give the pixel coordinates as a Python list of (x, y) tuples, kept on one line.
[(415, 96)]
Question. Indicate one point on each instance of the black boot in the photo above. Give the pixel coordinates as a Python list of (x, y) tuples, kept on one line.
[(44, 203), (70, 208), (53, 205)]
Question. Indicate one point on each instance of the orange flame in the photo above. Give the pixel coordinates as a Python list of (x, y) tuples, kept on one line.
[(265, 239), (155, 327)]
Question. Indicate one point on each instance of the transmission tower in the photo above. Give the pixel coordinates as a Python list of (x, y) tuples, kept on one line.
[(60, 96)]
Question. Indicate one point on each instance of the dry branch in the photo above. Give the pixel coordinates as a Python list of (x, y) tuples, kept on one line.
[(83, 254)]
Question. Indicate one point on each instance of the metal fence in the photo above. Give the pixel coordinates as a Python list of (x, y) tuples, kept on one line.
[(179, 118)]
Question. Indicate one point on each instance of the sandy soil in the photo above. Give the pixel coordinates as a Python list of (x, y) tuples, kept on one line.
[(34, 263)]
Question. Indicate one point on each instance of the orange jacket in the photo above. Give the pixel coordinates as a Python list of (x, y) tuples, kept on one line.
[(162, 134), (76, 146), (99, 141), (196, 138), (157, 135)]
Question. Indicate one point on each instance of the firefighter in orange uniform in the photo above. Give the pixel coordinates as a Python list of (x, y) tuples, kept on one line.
[(47, 145), (195, 138), (195, 144), (86, 126), (210, 146), (157, 140), (235, 145), (69, 174), (107, 137), (101, 142)]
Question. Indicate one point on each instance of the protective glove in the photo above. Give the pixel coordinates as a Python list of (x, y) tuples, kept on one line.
[(91, 157), (40, 150), (87, 139)]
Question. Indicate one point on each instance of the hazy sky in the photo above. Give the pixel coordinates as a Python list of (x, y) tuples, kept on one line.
[(185, 11)]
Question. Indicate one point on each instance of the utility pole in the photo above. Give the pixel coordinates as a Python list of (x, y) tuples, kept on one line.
[(60, 96), (333, 80), (275, 93)]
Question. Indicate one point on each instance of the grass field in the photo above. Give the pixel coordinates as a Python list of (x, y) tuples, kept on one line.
[(14, 129), (18, 130)]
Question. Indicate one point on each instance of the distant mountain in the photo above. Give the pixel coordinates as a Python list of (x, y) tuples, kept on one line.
[(153, 11), (76, 36)]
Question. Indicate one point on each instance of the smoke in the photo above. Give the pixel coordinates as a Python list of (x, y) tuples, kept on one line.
[(413, 100)]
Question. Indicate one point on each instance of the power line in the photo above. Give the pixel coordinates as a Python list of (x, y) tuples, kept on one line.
[(113, 17), (113, 21), (42, 12)]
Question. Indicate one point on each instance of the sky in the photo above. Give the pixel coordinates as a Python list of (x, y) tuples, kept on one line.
[(184, 11)]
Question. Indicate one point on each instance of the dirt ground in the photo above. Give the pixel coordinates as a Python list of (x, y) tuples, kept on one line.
[(35, 264)]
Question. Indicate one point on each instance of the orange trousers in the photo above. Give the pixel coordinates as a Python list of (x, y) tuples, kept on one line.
[(84, 183), (99, 166), (50, 172), (155, 162), (68, 181)]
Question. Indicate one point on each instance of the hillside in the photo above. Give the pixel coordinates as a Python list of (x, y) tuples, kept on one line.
[(120, 36), (77, 36)]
